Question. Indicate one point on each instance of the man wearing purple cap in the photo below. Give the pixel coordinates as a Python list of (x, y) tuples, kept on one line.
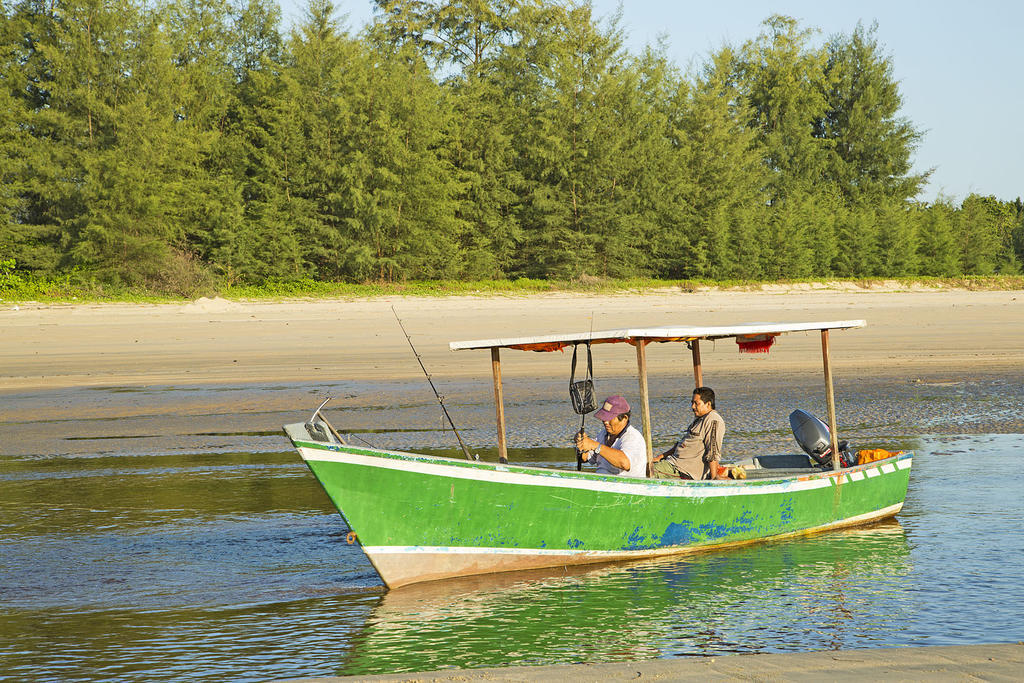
[(620, 447)]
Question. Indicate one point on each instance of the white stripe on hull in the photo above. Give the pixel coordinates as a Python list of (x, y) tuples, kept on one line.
[(402, 565), (553, 479)]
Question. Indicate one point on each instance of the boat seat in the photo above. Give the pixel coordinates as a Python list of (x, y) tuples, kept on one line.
[(776, 466), (782, 462)]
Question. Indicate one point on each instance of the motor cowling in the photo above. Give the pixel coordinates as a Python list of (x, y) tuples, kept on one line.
[(814, 438)]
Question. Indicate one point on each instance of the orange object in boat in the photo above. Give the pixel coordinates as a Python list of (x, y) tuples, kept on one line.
[(873, 454)]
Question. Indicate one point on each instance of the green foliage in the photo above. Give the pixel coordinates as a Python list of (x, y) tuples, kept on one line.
[(986, 236), (781, 77), (719, 180), (480, 150), (937, 252), (78, 288), (800, 241), (897, 240), (10, 279), (190, 146), (1017, 230), (869, 155)]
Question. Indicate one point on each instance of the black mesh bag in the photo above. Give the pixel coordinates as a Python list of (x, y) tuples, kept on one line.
[(581, 393)]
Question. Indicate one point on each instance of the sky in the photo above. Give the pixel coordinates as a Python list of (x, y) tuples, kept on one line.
[(959, 65)]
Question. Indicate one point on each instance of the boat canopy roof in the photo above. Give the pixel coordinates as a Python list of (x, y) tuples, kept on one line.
[(681, 333)]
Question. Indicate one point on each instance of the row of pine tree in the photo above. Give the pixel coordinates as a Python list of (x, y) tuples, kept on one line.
[(156, 143)]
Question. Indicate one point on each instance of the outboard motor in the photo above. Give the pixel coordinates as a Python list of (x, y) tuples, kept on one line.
[(813, 436)]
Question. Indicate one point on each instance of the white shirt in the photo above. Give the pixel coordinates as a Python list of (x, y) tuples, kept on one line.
[(631, 442)]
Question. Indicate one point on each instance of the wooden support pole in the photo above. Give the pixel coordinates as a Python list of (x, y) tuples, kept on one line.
[(830, 398), (499, 405), (698, 373), (645, 403)]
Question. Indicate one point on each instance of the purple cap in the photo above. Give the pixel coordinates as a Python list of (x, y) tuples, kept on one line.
[(613, 407)]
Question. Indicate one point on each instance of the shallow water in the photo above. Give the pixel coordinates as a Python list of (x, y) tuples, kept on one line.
[(166, 533)]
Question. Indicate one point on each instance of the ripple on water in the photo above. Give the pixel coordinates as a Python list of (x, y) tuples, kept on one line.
[(169, 558)]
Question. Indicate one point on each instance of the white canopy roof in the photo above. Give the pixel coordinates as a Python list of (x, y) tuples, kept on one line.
[(553, 342)]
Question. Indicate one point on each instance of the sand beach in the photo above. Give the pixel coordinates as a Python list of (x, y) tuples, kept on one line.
[(925, 331)]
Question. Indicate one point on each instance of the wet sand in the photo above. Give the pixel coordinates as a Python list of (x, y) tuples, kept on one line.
[(951, 332), (952, 663)]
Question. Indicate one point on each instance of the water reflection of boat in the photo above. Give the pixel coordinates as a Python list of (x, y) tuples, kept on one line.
[(790, 595), (420, 518)]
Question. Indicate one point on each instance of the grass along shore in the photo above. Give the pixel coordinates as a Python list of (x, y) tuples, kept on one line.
[(16, 288)]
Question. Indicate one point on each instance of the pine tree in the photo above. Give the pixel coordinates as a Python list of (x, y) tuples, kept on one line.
[(27, 234), (326, 73), (870, 144), (208, 205), (400, 187), (479, 148), (817, 213), (40, 188), (628, 165), (1017, 230), (800, 242), (592, 138), (110, 96), (266, 126), (937, 249), (464, 40), (781, 76), (897, 240), (985, 236), (554, 135), (857, 235), (719, 154), (455, 33)]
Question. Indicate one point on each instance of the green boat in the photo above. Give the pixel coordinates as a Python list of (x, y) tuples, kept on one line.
[(424, 518)]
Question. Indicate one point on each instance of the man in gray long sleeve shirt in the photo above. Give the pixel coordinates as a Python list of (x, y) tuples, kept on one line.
[(697, 454)]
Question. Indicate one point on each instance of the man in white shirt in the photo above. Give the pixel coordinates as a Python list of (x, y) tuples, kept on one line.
[(620, 447)]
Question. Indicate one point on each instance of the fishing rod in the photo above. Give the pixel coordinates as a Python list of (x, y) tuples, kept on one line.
[(582, 432), (440, 400)]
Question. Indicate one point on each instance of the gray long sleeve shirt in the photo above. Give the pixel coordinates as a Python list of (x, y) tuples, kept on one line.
[(700, 445)]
